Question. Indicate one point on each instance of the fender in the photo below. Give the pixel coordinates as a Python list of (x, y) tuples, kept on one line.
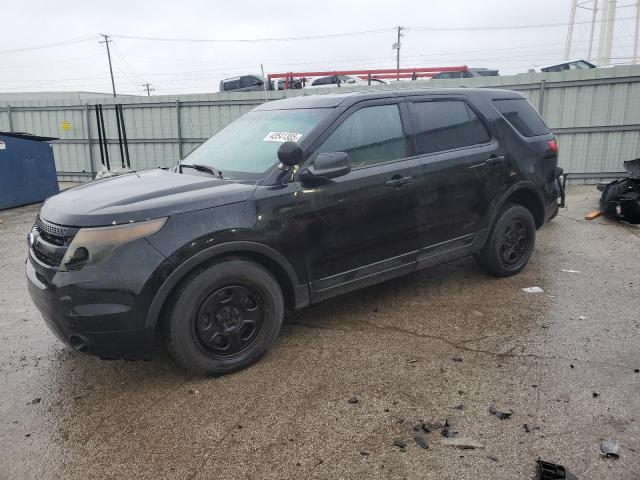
[(497, 205), (300, 291)]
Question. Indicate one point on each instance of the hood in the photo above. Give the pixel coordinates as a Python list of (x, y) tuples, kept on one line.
[(140, 196)]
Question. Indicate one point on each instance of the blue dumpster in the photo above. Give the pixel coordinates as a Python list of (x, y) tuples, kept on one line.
[(27, 169)]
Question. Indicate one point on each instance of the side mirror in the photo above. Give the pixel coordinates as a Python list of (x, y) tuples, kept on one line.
[(290, 154), (331, 165)]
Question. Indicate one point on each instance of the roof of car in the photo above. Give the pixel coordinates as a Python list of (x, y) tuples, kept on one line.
[(347, 99)]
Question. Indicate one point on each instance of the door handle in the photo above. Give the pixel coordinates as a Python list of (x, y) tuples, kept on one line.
[(495, 160), (397, 181)]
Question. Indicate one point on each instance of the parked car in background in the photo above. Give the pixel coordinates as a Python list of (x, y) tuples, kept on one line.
[(244, 83), (573, 65), (295, 202), (336, 80), (468, 73)]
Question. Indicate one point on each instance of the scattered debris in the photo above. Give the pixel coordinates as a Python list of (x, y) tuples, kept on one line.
[(400, 444), (457, 359), (459, 407), (501, 415), (533, 290), (526, 428), (462, 442), (27, 435), (364, 454), (595, 394), (593, 215), (412, 360), (582, 317), (421, 441), (572, 366), (352, 400), (636, 370), (193, 392), (446, 432), (34, 401), (551, 471), (565, 270), (610, 448), (461, 392), (621, 198), (492, 458)]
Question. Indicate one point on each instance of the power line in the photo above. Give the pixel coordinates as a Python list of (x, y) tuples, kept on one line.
[(499, 27), (50, 45), (253, 40)]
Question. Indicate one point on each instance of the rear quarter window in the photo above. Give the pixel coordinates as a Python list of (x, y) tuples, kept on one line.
[(522, 116)]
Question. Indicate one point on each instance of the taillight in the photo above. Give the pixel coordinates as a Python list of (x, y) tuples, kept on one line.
[(553, 145)]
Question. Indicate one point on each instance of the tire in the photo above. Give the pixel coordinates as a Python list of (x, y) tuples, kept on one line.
[(510, 243), (555, 213), (224, 317)]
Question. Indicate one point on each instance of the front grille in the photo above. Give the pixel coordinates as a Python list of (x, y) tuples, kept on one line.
[(45, 259), (50, 244)]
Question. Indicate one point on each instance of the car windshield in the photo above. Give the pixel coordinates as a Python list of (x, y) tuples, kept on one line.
[(247, 149)]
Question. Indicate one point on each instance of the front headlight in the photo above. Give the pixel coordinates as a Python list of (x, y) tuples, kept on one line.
[(91, 246)]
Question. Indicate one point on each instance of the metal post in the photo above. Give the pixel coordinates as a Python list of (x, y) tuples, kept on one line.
[(99, 135), (88, 127), (125, 142), (541, 101), (635, 38), (10, 118), (179, 127), (572, 19), (122, 161), (593, 28)]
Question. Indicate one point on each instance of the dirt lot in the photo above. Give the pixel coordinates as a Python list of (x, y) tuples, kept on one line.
[(351, 376)]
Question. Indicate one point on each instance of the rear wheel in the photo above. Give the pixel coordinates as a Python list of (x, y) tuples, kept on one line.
[(510, 243), (224, 317)]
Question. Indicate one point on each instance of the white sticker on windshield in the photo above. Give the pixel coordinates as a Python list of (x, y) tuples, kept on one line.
[(282, 137)]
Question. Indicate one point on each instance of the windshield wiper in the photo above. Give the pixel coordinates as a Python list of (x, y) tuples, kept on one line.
[(200, 168)]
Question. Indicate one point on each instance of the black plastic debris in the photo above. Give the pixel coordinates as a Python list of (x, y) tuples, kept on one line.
[(459, 407), (457, 359), (526, 428), (620, 199), (421, 441), (595, 394), (401, 444), (352, 400), (610, 449), (551, 471), (501, 415)]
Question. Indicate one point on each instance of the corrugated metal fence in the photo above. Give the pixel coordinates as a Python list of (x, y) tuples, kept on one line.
[(595, 114)]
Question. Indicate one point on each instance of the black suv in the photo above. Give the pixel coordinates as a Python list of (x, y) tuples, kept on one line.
[(297, 201)]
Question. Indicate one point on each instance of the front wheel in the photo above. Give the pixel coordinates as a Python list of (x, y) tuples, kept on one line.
[(224, 317), (510, 243)]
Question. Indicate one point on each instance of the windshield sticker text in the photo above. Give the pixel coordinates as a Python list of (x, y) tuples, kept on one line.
[(282, 137)]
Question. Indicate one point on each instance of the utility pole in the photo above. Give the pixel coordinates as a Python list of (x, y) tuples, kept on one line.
[(106, 41), (149, 88), (396, 46)]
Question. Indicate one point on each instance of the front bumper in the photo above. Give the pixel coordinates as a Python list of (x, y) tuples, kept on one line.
[(102, 311)]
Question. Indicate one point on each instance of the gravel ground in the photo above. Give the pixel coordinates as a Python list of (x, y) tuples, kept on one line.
[(350, 379)]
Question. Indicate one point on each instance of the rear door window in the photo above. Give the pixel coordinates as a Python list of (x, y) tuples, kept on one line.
[(370, 135), (447, 125), (233, 84), (522, 116)]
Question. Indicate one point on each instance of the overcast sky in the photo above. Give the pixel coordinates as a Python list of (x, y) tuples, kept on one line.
[(190, 67)]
